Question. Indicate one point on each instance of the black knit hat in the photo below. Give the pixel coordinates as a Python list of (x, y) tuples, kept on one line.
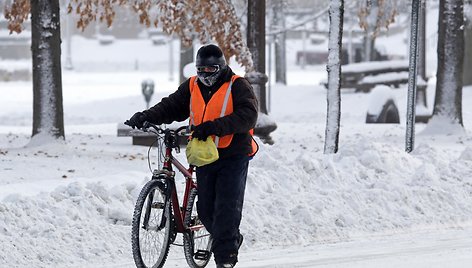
[(210, 55)]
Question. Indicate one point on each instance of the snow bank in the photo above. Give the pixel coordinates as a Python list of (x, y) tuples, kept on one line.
[(295, 195), (73, 224), (368, 187)]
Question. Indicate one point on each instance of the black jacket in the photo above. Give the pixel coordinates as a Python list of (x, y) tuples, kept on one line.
[(176, 107)]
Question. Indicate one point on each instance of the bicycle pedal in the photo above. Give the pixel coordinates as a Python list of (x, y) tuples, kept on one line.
[(202, 255)]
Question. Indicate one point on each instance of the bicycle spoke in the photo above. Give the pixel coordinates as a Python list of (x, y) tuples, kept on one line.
[(152, 237), (151, 227)]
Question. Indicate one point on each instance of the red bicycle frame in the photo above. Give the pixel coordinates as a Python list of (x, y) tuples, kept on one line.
[(179, 212)]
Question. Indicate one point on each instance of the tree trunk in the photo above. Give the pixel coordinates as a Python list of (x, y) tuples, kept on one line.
[(369, 44), (258, 78), (448, 100), (336, 11), (48, 116), (186, 57), (280, 54), (468, 55), (256, 44)]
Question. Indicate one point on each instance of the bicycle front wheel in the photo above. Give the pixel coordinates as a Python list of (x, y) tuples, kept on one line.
[(152, 228), (197, 240)]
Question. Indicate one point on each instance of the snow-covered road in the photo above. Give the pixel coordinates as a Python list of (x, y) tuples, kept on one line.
[(450, 248)]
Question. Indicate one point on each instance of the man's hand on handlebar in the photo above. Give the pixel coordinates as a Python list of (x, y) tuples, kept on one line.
[(137, 120)]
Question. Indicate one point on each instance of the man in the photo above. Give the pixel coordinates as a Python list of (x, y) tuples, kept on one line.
[(221, 105)]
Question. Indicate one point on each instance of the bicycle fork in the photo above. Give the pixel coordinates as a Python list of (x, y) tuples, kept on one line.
[(165, 187)]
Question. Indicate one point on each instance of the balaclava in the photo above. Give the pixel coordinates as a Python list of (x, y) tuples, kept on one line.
[(210, 64)]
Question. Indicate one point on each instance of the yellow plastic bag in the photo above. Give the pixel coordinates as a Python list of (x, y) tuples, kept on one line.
[(200, 153)]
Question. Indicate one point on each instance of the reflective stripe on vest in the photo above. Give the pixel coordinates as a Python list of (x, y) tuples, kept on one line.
[(223, 109)]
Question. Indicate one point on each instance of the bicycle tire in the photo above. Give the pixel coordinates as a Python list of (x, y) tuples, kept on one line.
[(197, 242), (150, 245)]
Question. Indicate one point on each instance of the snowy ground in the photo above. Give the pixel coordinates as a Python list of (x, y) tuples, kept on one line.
[(370, 205)]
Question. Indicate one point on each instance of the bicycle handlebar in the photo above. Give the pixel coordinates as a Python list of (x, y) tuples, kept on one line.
[(159, 130)]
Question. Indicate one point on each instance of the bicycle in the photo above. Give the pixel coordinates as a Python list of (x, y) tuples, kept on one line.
[(158, 217)]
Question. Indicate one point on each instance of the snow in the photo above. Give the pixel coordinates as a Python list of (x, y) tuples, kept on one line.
[(13, 65), (387, 77), (438, 124), (468, 13), (370, 66), (78, 196), (69, 204), (379, 95)]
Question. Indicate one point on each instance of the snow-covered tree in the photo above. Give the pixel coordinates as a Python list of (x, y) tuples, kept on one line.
[(448, 99), (48, 119), (336, 11)]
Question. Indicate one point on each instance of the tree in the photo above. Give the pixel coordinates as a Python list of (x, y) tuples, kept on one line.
[(373, 15), (205, 20), (467, 76), (336, 11), (448, 99), (280, 53), (48, 119), (48, 116), (256, 43)]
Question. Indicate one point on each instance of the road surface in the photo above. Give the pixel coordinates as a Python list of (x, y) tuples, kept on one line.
[(450, 248)]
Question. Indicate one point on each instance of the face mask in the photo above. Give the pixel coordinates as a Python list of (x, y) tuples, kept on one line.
[(208, 79)]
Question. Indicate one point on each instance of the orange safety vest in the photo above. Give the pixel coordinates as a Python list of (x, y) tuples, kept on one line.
[(219, 105)]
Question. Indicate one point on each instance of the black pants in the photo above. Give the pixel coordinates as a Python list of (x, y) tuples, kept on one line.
[(221, 188)]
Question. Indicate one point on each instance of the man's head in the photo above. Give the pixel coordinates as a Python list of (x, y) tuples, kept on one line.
[(210, 64)]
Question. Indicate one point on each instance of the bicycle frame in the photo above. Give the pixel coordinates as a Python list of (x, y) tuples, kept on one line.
[(179, 212), (169, 174), (159, 212)]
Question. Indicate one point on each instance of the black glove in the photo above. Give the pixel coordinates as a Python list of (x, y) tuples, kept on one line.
[(204, 130), (136, 120)]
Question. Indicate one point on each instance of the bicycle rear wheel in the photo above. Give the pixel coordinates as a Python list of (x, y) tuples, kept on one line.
[(152, 226), (197, 241)]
